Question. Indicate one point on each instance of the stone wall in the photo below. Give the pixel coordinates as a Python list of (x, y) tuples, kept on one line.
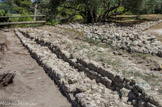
[(79, 89), (125, 87), (133, 38)]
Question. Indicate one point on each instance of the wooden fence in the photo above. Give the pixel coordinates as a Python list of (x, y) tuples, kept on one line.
[(24, 22)]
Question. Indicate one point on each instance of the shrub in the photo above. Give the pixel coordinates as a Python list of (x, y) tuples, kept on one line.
[(2, 12)]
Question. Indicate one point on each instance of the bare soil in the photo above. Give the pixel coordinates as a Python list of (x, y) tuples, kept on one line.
[(131, 19), (157, 30), (31, 86)]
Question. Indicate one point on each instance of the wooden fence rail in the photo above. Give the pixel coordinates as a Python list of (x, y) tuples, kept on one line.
[(22, 16), (19, 23), (7, 23)]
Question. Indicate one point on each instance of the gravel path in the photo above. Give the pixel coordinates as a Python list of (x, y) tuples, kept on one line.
[(31, 85)]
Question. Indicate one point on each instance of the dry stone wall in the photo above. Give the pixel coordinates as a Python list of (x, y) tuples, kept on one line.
[(78, 88), (127, 89), (131, 38)]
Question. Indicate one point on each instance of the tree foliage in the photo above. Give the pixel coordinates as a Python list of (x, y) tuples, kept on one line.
[(2, 12), (20, 6), (5, 7), (158, 7), (97, 10)]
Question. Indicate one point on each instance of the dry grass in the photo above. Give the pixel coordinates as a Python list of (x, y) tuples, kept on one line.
[(145, 16), (156, 27), (152, 16), (132, 19)]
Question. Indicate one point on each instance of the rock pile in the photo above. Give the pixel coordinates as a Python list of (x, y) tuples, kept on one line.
[(132, 39)]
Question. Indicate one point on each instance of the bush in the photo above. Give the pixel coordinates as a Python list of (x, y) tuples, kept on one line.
[(2, 12), (126, 13), (52, 22), (21, 19), (25, 18)]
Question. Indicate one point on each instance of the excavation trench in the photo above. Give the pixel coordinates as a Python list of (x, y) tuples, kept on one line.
[(136, 95), (30, 83)]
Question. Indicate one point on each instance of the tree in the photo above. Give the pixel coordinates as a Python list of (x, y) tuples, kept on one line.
[(2, 13), (35, 8), (158, 7), (20, 6), (5, 7), (98, 10)]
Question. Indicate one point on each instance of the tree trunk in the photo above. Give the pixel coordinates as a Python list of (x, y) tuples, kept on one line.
[(91, 16), (94, 15), (35, 9)]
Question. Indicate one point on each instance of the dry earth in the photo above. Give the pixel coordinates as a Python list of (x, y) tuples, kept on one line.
[(31, 86), (157, 30)]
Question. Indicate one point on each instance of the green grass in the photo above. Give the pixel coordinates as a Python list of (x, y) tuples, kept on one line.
[(81, 46), (127, 72), (78, 17), (150, 78), (108, 44), (93, 41), (144, 56), (100, 37), (90, 55), (101, 54), (114, 63)]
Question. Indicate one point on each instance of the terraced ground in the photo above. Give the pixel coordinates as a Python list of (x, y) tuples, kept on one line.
[(100, 65)]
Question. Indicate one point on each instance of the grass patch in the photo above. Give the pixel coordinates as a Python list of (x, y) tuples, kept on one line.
[(101, 37), (124, 72), (127, 72), (1, 68), (113, 62), (151, 79), (90, 55), (108, 44), (93, 41), (81, 46), (160, 91), (144, 56), (100, 53), (154, 76), (69, 45)]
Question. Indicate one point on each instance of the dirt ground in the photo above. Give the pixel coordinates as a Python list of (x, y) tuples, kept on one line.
[(31, 86), (157, 30)]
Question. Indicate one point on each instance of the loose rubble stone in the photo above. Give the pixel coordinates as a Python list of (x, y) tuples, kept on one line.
[(78, 82), (132, 39), (78, 88)]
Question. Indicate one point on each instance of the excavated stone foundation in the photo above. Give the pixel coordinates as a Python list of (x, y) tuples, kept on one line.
[(125, 92)]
